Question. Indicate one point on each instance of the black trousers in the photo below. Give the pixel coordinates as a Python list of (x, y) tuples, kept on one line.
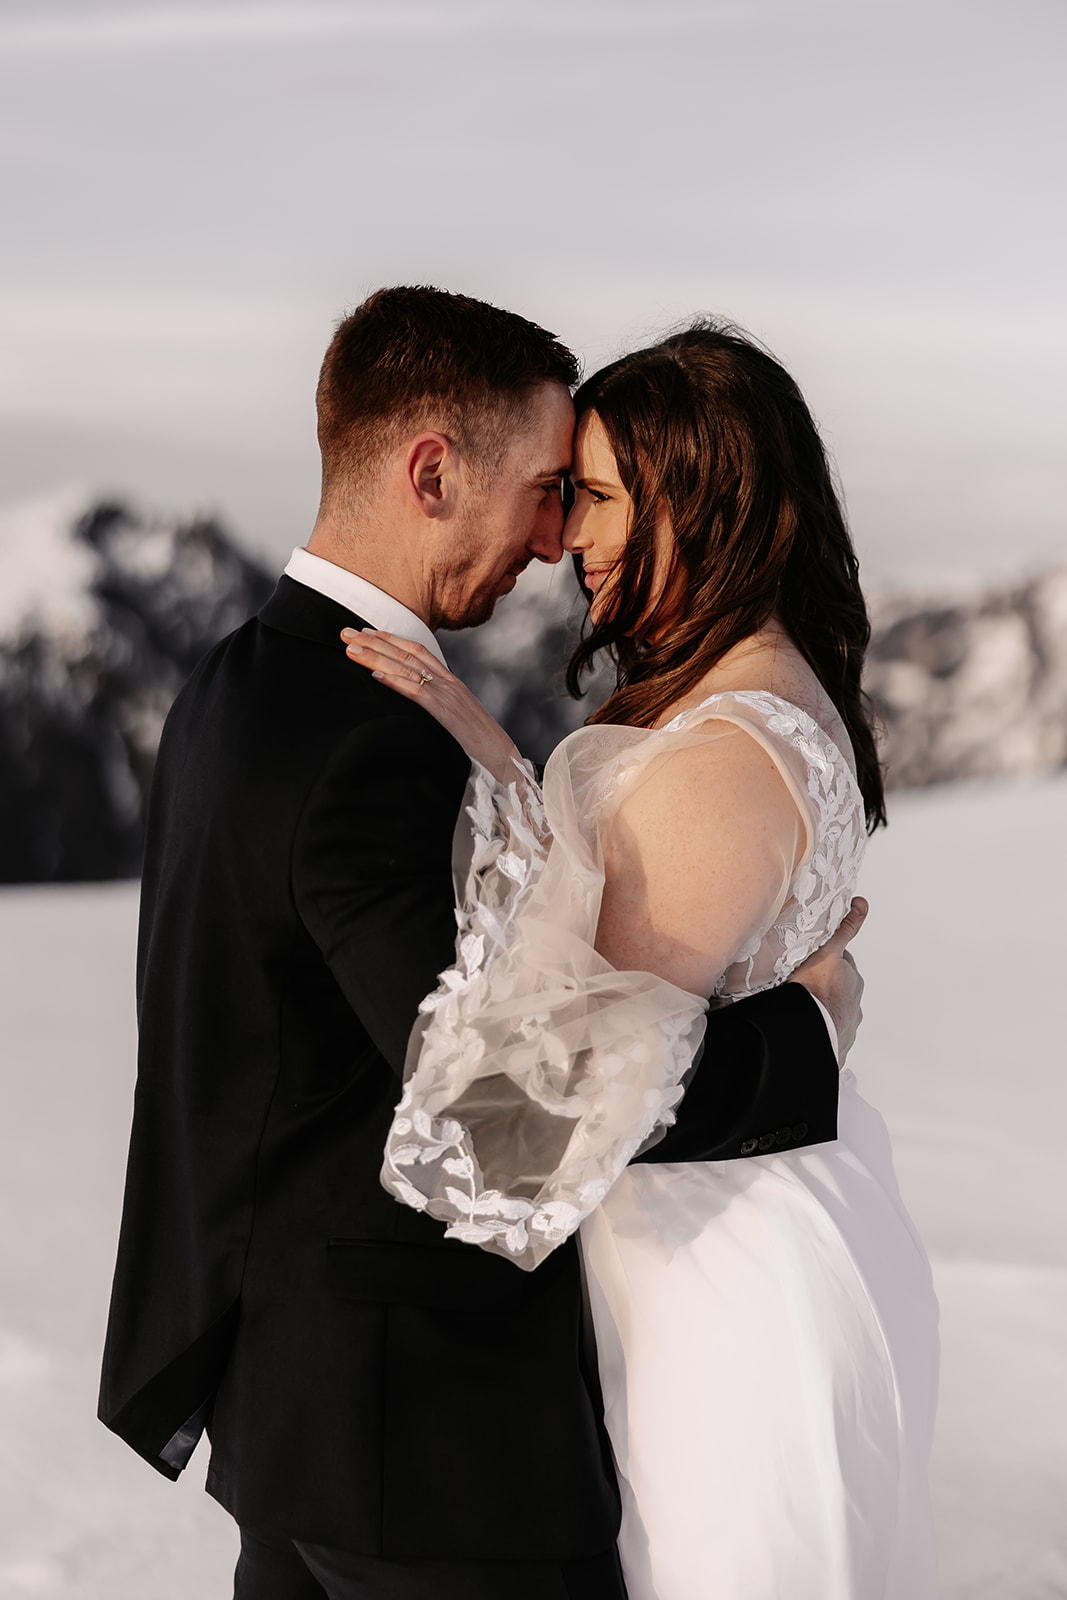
[(281, 1569)]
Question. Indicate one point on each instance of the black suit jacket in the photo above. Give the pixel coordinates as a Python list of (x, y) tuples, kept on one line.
[(366, 1383)]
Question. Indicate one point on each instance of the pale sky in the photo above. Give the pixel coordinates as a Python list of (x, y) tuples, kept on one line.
[(193, 192)]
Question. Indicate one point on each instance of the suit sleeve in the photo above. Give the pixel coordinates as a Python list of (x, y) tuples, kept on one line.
[(767, 1079), (371, 871)]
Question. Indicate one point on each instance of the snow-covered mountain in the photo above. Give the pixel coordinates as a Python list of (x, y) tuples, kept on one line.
[(105, 608)]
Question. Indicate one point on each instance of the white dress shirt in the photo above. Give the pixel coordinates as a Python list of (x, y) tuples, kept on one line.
[(365, 599), (831, 1027)]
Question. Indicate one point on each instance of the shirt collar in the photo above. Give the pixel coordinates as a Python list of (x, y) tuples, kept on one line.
[(365, 599)]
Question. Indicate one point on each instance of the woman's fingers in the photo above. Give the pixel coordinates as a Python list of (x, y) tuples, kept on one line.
[(398, 662), (390, 644)]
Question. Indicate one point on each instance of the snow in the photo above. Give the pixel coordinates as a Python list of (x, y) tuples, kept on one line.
[(961, 1047), (967, 888), (48, 571)]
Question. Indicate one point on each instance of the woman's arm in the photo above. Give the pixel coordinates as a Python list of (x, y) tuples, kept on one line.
[(770, 1071), (699, 860)]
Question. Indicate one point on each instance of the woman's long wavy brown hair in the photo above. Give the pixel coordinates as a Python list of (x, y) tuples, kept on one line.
[(710, 426)]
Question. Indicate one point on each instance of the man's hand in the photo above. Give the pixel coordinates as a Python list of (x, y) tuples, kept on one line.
[(830, 975)]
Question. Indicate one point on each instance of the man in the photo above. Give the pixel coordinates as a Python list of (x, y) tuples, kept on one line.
[(390, 1413)]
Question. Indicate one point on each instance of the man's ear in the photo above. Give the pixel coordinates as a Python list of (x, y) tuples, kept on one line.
[(430, 473)]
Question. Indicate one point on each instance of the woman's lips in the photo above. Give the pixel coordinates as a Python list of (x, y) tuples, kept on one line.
[(594, 576)]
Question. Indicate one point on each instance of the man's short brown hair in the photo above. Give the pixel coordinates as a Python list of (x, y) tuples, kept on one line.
[(413, 358)]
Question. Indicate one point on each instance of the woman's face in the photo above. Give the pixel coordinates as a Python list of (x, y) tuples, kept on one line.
[(599, 521)]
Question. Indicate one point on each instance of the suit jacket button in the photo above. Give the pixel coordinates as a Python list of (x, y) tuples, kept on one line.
[(748, 1147), (800, 1130), (767, 1141), (783, 1136)]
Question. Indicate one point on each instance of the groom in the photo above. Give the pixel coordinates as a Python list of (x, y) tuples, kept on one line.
[(390, 1413)]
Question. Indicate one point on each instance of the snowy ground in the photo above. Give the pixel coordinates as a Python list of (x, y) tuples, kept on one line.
[(962, 1048)]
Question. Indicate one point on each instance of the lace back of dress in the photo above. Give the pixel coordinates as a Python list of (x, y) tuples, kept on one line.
[(824, 882)]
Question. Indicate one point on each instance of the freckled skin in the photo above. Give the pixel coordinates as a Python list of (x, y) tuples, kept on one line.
[(696, 859)]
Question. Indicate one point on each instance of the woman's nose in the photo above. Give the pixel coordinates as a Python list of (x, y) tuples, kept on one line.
[(573, 537)]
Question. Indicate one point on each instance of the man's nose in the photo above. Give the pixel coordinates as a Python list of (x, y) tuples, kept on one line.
[(546, 542)]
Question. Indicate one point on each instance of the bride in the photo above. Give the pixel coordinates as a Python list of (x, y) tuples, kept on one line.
[(766, 1328)]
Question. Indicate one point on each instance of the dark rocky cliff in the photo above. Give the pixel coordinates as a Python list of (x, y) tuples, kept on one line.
[(104, 612)]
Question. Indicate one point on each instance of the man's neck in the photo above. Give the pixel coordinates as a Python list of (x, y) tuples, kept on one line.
[(368, 559), (359, 595)]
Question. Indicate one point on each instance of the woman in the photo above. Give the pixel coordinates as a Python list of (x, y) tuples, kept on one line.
[(766, 1329)]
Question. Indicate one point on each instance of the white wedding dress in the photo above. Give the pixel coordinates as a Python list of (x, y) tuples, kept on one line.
[(766, 1328)]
